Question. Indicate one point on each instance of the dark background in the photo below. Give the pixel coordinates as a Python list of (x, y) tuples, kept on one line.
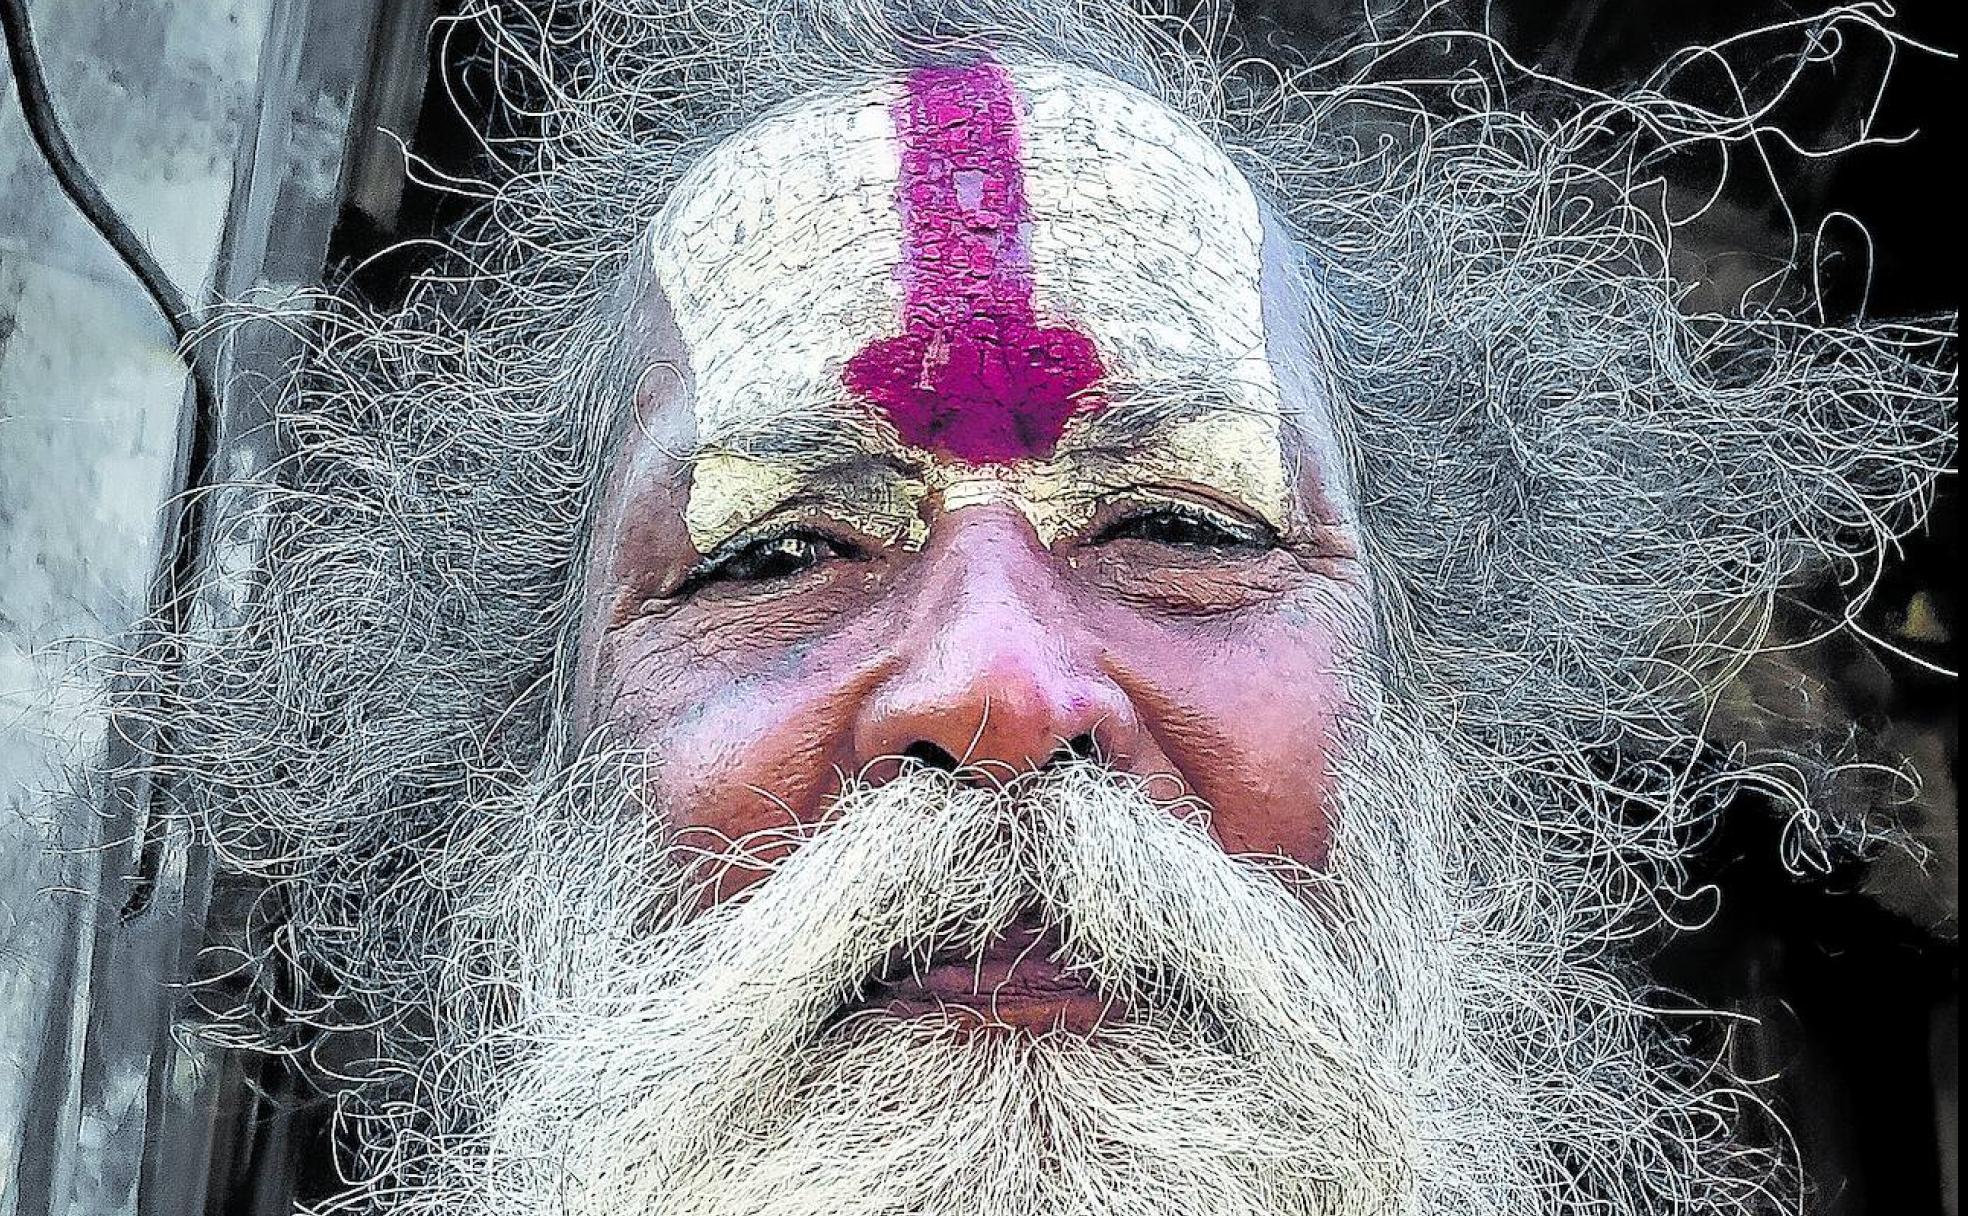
[(1854, 977)]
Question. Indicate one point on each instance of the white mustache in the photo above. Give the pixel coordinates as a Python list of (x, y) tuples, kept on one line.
[(1145, 899)]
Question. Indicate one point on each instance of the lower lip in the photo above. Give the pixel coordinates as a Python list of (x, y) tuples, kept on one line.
[(1016, 988), (1073, 1012)]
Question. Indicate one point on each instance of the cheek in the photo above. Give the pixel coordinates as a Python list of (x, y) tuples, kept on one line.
[(739, 756), (1249, 716)]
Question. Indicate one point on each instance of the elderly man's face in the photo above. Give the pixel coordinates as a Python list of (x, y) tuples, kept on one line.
[(977, 433)]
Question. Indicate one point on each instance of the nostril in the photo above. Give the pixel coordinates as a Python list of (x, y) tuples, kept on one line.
[(1079, 747), (930, 756)]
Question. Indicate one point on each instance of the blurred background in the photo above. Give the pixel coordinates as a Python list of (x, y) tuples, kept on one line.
[(257, 146)]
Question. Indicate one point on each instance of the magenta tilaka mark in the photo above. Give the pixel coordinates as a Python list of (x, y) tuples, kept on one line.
[(973, 375)]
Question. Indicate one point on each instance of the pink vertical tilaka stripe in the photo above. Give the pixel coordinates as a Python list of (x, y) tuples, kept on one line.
[(973, 375)]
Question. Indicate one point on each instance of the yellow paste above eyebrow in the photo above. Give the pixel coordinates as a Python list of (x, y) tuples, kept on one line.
[(1234, 452), (730, 492)]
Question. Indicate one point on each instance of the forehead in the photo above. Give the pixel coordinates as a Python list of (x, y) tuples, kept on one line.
[(792, 244)]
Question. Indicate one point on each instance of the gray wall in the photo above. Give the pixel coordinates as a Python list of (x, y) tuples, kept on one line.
[(154, 96), (202, 120)]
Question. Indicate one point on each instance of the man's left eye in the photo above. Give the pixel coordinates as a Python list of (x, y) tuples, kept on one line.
[(1188, 527)]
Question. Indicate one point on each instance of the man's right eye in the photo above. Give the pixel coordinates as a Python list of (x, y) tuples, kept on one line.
[(766, 559)]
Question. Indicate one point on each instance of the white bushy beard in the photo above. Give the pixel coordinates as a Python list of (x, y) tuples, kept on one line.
[(1374, 1038)]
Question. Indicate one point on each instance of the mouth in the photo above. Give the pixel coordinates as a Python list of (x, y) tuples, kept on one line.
[(1018, 983)]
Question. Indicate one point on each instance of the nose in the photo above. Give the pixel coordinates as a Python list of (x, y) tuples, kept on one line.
[(996, 671)]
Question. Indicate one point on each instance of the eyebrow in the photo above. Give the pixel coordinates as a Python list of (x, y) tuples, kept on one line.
[(829, 434), (1140, 413)]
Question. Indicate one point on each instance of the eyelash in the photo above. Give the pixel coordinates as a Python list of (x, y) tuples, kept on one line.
[(1187, 527), (728, 564)]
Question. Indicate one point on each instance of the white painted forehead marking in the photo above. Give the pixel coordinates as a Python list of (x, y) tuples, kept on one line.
[(782, 257), (779, 251), (1143, 231)]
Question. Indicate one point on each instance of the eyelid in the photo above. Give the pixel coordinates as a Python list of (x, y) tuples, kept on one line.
[(737, 543), (708, 565), (845, 509), (1137, 501)]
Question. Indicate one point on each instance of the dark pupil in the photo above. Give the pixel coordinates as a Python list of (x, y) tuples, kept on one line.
[(771, 559), (1175, 528)]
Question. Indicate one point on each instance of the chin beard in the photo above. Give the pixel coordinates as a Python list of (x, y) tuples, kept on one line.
[(1388, 1034)]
